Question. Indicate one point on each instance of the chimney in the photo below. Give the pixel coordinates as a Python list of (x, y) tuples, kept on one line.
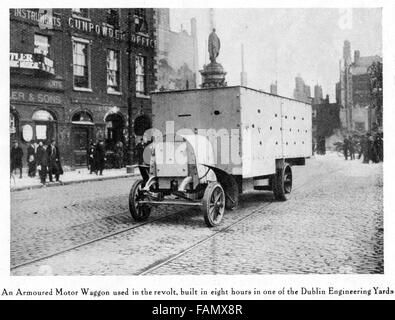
[(357, 54), (347, 51)]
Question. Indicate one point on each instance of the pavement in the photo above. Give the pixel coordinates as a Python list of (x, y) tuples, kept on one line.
[(332, 224), (69, 177)]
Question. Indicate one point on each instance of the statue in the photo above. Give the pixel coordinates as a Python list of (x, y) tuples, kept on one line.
[(213, 74), (214, 44)]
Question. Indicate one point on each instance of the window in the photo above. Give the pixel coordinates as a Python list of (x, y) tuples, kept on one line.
[(113, 17), (140, 13), (140, 21), (140, 75), (81, 64), (42, 115), (41, 44), (83, 117), (82, 13), (113, 71)]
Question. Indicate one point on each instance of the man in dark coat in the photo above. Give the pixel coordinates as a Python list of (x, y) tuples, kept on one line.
[(351, 147), (54, 166), (31, 160), (91, 157), (100, 157), (365, 149), (16, 158), (42, 162), (119, 154), (378, 142), (140, 151)]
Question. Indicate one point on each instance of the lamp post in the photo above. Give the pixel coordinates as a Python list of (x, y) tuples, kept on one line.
[(130, 104)]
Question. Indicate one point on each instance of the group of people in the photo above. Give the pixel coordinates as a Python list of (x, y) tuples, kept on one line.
[(96, 157), (370, 147), (40, 157)]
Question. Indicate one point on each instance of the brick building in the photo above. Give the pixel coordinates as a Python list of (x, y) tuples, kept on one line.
[(353, 92), (177, 55), (72, 77)]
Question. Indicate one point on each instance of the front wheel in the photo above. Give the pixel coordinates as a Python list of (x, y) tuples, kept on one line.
[(213, 204), (282, 182), (139, 212)]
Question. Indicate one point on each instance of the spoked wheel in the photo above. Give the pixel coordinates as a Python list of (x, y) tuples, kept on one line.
[(282, 183), (139, 212), (213, 204)]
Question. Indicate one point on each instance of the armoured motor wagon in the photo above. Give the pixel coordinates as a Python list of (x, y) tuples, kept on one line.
[(212, 144)]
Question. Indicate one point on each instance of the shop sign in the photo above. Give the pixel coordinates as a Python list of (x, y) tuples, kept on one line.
[(35, 97), (44, 17), (41, 132), (27, 132), (142, 41), (31, 61), (104, 29)]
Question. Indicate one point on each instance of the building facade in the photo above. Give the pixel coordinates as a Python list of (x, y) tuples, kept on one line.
[(177, 55), (318, 96), (353, 90), (302, 92), (325, 118), (79, 75)]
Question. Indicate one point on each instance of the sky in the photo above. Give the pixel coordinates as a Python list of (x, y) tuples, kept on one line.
[(280, 44)]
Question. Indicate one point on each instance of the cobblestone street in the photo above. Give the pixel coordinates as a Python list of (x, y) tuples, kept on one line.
[(332, 223)]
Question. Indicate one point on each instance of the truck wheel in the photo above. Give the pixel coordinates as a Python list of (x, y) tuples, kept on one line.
[(139, 212), (282, 183), (213, 204)]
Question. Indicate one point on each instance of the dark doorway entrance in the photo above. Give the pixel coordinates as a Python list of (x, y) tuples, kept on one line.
[(114, 130), (81, 134)]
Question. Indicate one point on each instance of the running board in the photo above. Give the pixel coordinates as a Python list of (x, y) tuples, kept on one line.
[(169, 202)]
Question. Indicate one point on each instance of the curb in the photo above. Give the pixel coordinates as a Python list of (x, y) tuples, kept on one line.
[(57, 184)]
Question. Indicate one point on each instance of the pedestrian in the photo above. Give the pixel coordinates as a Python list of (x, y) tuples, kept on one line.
[(31, 160), (351, 147), (54, 165), (16, 156), (323, 147), (346, 147), (42, 162), (378, 142), (91, 157), (119, 154), (140, 151), (372, 150), (100, 157), (365, 149)]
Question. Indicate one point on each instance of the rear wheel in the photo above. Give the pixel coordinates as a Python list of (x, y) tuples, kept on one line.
[(139, 211), (213, 204), (282, 182)]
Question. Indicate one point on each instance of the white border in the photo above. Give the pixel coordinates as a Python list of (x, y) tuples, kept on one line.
[(212, 282)]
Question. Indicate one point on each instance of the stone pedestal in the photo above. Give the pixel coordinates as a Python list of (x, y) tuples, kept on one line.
[(213, 75)]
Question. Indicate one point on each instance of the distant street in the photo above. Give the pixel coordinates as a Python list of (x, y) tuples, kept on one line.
[(331, 224)]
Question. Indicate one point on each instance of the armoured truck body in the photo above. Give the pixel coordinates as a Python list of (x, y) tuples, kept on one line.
[(212, 144)]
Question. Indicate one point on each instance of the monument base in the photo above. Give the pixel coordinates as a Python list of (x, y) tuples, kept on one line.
[(213, 75)]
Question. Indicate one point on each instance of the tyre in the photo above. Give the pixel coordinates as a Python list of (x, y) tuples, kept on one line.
[(139, 212), (213, 204), (282, 183)]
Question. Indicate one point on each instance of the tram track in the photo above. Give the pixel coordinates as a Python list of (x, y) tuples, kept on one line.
[(162, 262)]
